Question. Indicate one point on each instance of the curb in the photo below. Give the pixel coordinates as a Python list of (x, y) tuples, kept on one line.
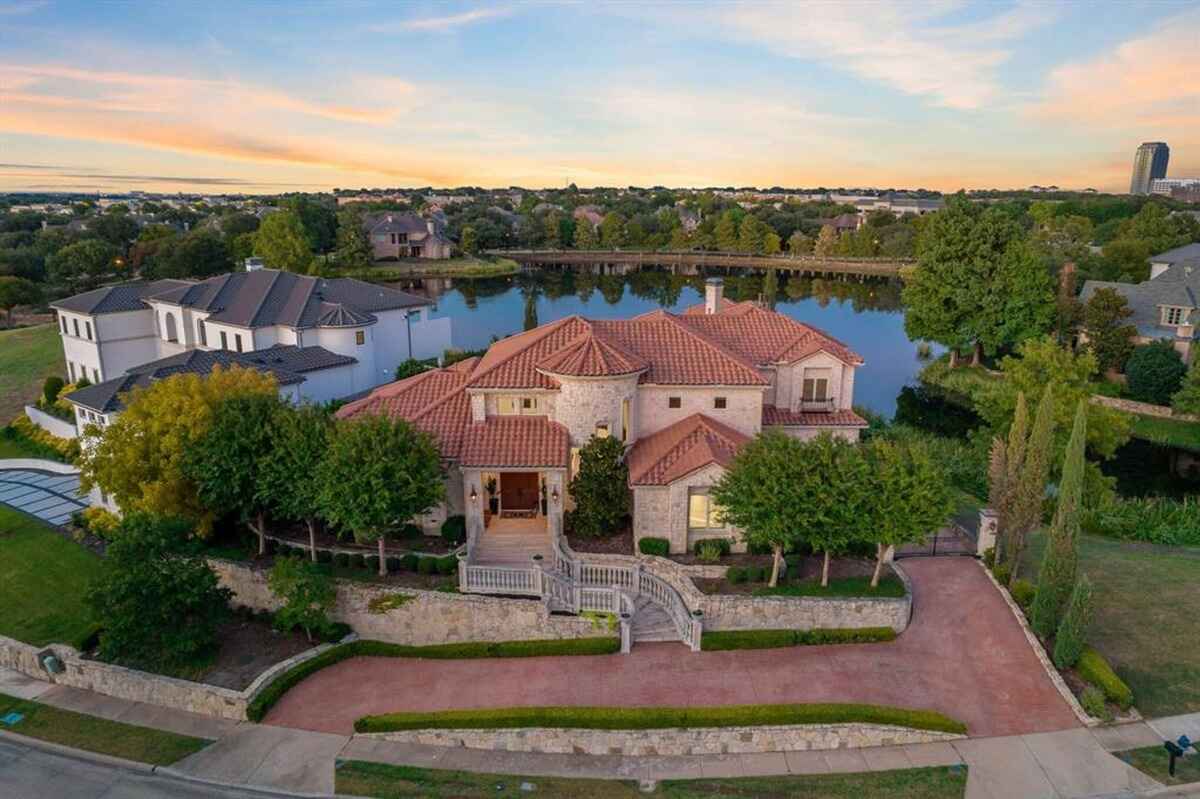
[(76, 754), (175, 774)]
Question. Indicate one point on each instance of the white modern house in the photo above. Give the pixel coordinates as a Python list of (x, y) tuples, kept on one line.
[(323, 339)]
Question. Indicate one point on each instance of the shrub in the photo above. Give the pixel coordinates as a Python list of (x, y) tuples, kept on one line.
[(53, 447), (454, 529), (862, 635), (770, 639), (373, 563), (51, 388), (1158, 520), (408, 562), (358, 561), (1070, 639), (1155, 372), (1092, 700), (989, 558), (1023, 592), (652, 718), (709, 552), (600, 487), (654, 546), (410, 530), (324, 556), (757, 574), (342, 560), (1093, 668), (393, 565), (723, 545), (447, 565), (736, 575), (99, 522), (272, 692), (427, 565), (1002, 572), (307, 594)]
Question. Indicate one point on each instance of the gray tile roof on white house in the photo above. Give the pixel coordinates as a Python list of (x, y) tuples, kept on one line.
[(118, 298), (1187, 253), (1178, 286), (287, 363)]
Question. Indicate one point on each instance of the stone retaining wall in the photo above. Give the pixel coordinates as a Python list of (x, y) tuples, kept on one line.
[(425, 618), (699, 741), (1143, 408), (140, 686)]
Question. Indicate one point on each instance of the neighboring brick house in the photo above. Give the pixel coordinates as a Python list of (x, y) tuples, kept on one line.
[(398, 235), (682, 391), (1167, 306)]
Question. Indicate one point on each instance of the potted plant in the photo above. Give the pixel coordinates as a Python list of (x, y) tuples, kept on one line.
[(493, 497)]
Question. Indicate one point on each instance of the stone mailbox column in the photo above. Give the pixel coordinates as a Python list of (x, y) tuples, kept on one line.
[(989, 525)]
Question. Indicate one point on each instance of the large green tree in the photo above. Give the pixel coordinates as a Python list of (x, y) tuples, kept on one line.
[(225, 463), (290, 473), (612, 230), (377, 475), (16, 291), (585, 234), (282, 244), (601, 487), (1155, 372), (1108, 336), (353, 246), (161, 606), (80, 265), (318, 220), (1187, 398)]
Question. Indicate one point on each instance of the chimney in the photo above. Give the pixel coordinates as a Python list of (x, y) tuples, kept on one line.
[(713, 290)]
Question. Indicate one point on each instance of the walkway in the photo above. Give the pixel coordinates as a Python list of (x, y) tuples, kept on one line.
[(512, 542), (964, 655), (50, 496)]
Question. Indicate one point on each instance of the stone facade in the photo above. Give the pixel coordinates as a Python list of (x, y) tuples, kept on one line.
[(662, 512), (699, 741), (428, 617), (583, 403), (742, 411)]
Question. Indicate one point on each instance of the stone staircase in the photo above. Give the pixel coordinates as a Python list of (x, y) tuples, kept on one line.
[(651, 623)]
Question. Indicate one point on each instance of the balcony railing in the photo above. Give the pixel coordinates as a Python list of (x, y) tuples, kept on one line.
[(818, 405)]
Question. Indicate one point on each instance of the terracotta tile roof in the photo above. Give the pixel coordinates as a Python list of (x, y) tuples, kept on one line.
[(725, 305), (592, 356), (682, 448), (434, 401), (764, 336), (678, 354), (773, 416), (512, 362), (516, 442)]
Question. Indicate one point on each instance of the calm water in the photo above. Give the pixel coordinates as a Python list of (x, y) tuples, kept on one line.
[(865, 314)]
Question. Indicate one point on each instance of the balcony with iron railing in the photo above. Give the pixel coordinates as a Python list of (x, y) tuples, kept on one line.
[(828, 405)]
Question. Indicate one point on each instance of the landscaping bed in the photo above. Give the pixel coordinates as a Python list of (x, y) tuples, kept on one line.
[(415, 541), (250, 646), (363, 778), (619, 544), (653, 718), (79, 731), (848, 577)]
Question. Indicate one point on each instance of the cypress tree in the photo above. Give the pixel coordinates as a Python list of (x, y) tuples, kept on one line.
[(1001, 496), (1056, 579), (1026, 503), (1072, 633)]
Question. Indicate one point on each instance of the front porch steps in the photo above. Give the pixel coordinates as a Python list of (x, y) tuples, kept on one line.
[(651, 623)]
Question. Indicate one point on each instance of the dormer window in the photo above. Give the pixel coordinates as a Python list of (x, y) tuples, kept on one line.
[(1174, 315)]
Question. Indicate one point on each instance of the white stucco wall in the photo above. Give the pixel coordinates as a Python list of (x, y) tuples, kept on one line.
[(742, 412), (367, 373)]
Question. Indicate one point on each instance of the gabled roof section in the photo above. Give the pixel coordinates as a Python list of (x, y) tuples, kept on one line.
[(287, 363), (516, 442), (269, 297), (592, 356), (115, 299), (512, 362), (768, 337), (434, 401), (336, 314), (677, 451), (1188, 252)]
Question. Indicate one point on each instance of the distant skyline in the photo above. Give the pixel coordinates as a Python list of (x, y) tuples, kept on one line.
[(266, 97)]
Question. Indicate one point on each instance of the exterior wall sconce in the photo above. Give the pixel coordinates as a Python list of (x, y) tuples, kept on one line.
[(474, 494), (554, 494)]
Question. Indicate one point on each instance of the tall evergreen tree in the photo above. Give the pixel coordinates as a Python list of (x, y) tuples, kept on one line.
[(1030, 489), (1056, 578), (726, 232), (1071, 637)]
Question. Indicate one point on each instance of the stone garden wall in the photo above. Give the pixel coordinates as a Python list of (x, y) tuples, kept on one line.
[(700, 741), (419, 617)]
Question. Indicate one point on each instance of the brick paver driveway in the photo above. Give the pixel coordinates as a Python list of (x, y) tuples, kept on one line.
[(49, 496), (963, 655)]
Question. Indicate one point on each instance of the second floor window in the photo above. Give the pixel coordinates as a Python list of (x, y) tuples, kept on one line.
[(719, 403), (203, 334), (674, 402), (62, 321), (1175, 316), (512, 406), (224, 341), (75, 322), (816, 385), (360, 337), (237, 338), (88, 326)]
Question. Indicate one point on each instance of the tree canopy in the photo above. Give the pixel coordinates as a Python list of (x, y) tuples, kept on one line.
[(282, 244), (1155, 372), (601, 487), (1108, 337)]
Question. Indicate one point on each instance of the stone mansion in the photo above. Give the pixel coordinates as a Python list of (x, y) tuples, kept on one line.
[(682, 391)]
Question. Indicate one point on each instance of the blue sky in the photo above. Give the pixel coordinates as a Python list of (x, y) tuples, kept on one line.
[(264, 96)]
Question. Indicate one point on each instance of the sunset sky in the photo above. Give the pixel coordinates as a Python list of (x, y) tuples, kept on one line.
[(258, 96)]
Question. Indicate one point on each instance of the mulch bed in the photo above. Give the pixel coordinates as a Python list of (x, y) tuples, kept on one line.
[(810, 569), (298, 535), (619, 544), (248, 648), (742, 559)]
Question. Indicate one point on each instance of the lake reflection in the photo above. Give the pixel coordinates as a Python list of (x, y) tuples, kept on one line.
[(864, 313)]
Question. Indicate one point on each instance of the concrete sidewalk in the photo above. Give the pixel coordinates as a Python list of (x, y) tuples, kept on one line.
[(1053, 765)]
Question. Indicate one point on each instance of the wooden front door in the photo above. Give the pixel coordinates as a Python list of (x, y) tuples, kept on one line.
[(518, 491)]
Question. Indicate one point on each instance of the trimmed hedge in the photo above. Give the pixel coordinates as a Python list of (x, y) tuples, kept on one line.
[(447, 565), (454, 529), (1093, 668), (721, 640), (408, 562), (654, 546), (270, 694), (654, 718), (342, 559)]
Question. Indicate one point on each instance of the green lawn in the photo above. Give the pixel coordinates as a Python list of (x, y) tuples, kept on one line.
[(42, 581), (27, 357), (80, 731), (1172, 432), (18, 448), (1146, 623), (1153, 761), (360, 778), (464, 266)]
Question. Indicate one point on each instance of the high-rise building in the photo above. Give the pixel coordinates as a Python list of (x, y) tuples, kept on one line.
[(1149, 163)]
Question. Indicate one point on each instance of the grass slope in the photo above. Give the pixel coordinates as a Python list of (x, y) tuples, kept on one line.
[(81, 731), (42, 581), (1153, 761), (1171, 432), (27, 357), (1145, 622), (360, 778)]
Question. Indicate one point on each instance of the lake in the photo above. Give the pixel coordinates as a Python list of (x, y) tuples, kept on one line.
[(865, 313)]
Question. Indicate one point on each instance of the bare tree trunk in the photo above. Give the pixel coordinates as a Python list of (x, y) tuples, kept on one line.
[(977, 354), (879, 550), (953, 358), (261, 529), (382, 559), (825, 571), (777, 552), (312, 538)]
